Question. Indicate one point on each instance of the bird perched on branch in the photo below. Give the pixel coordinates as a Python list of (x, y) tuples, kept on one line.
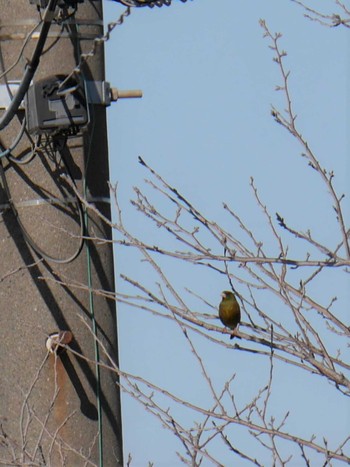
[(229, 311)]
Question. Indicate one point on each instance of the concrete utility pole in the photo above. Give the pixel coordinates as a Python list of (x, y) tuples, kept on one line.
[(58, 408)]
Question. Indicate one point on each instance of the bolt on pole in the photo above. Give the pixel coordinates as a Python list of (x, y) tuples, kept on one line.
[(57, 406)]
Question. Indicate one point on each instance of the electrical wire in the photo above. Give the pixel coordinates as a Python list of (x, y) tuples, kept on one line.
[(89, 257), (96, 346), (32, 152), (26, 234), (91, 295), (29, 35), (83, 57), (6, 152), (31, 66)]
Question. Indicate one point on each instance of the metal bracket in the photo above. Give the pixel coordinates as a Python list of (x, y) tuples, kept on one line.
[(98, 92)]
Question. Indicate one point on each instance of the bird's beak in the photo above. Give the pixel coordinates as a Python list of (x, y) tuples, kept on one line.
[(223, 295)]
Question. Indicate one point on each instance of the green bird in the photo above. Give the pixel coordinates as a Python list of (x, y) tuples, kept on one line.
[(229, 311)]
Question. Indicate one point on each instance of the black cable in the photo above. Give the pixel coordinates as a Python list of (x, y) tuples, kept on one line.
[(25, 233), (31, 67)]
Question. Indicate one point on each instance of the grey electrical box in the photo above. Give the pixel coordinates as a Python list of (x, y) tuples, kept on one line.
[(52, 108)]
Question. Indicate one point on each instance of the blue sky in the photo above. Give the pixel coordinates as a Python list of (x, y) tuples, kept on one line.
[(204, 124)]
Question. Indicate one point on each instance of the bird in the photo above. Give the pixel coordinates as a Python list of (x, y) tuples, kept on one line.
[(229, 311)]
